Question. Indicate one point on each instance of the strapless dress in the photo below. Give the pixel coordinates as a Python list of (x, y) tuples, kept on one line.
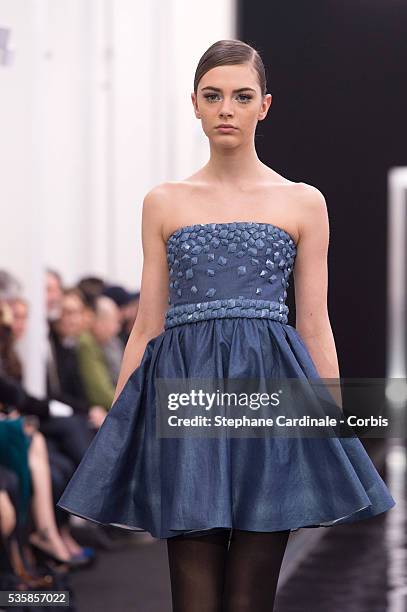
[(227, 318)]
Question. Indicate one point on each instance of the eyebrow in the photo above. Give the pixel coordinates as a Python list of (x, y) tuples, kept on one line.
[(234, 91)]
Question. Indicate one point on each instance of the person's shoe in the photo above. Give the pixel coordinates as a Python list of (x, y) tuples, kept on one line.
[(74, 562), (86, 553)]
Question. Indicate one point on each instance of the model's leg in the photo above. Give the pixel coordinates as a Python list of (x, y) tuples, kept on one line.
[(196, 566), (252, 570)]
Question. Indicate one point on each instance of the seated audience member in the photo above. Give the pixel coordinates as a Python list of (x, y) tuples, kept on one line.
[(64, 380), (20, 310), (23, 451), (48, 480), (94, 368), (128, 305), (53, 294), (63, 372)]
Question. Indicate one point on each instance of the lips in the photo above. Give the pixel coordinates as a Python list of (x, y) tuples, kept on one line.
[(225, 128)]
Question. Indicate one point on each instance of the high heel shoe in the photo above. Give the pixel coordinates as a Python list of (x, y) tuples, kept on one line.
[(45, 556), (87, 553)]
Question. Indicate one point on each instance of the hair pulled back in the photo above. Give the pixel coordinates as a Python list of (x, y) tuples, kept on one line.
[(230, 51)]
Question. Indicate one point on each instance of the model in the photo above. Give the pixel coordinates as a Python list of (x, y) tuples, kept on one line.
[(219, 248)]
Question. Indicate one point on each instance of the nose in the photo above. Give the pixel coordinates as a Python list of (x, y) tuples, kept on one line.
[(226, 109)]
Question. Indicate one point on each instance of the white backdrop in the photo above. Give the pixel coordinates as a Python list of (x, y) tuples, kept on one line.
[(94, 110)]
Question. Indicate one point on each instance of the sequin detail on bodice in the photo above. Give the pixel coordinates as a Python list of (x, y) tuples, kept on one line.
[(230, 269)]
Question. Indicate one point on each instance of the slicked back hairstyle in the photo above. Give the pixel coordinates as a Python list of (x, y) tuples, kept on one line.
[(230, 51)]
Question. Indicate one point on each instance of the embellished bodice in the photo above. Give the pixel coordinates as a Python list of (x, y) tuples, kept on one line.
[(228, 269)]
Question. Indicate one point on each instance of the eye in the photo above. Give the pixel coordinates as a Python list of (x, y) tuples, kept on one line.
[(210, 97), (245, 98)]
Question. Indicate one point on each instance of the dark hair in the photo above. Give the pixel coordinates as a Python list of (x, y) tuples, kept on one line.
[(232, 51), (91, 287)]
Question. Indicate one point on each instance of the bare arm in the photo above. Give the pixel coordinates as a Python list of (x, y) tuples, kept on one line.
[(311, 285), (153, 302)]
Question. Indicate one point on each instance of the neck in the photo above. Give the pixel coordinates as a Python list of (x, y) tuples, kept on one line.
[(234, 166)]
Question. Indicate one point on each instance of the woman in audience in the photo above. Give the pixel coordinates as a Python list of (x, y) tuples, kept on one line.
[(27, 454), (64, 379)]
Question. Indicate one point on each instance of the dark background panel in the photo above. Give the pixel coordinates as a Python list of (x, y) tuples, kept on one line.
[(337, 72)]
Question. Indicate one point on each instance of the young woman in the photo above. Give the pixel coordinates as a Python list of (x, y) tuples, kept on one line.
[(219, 248)]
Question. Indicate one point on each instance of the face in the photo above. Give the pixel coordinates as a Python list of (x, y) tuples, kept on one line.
[(6, 314), (54, 297), (230, 95), (6, 321), (106, 324), (71, 322), (20, 312)]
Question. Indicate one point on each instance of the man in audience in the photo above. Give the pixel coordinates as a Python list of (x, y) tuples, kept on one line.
[(64, 381), (94, 367), (53, 287), (128, 304)]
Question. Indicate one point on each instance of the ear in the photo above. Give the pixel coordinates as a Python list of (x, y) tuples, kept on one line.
[(265, 105), (195, 105)]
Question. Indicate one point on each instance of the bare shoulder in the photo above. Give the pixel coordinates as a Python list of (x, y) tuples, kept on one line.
[(312, 212), (160, 193), (311, 201), (310, 196), (158, 205), (167, 194)]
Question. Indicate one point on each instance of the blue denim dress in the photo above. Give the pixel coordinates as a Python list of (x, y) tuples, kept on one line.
[(227, 318)]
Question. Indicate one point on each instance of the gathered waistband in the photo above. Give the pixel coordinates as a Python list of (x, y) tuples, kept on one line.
[(228, 307)]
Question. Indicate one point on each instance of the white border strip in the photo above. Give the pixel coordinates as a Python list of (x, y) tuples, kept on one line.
[(396, 368)]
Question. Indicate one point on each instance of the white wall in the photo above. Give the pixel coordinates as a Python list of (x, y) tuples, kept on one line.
[(94, 110)]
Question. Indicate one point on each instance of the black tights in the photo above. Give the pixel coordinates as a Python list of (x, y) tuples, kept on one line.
[(208, 576)]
